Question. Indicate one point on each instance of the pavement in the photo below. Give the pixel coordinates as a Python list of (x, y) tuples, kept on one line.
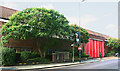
[(52, 65)]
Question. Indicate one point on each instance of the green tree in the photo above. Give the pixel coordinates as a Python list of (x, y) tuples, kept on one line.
[(113, 43), (84, 36), (33, 23)]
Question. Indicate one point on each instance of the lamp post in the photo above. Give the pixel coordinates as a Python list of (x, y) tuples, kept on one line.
[(79, 33), (72, 45)]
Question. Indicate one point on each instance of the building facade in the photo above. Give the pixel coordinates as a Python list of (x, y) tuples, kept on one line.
[(94, 47), (4, 14), (96, 44)]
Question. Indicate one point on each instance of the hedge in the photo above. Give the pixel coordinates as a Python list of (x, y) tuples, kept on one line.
[(28, 55), (8, 56), (40, 60)]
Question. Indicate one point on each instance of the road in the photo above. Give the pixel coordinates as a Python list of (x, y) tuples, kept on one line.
[(107, 65)]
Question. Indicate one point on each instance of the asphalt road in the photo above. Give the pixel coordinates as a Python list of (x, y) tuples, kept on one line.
[(107, 65)]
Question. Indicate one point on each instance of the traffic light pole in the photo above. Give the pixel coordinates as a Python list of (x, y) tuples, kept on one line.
[(79, 33), (79, 55), (79, 36), (73, 54)]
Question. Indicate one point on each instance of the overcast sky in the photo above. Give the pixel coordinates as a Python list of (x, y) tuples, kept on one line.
[(96, 15)]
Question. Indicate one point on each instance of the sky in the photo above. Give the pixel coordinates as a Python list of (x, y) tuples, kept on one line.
[(97, 15)]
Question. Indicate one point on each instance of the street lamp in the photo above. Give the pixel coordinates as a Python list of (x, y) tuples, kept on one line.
[(72, 45), (79, 33)]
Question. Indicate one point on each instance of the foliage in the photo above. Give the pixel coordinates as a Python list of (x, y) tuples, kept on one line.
[(40, 60), (113, 43), (90, 57), (18, 54), (8, 56), (84, 36), (34, 55), (49, 45), (28, 55), (25, 55), (39, 22), (35, 22), (110, 53), (0, 44), (106, 54), (83, 55)]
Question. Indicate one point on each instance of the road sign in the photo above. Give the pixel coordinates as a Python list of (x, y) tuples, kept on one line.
[(79, 48)]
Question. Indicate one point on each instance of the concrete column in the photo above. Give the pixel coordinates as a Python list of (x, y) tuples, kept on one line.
[(53, 57)]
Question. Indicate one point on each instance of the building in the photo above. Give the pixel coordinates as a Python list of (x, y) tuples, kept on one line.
[(4, 14), (94, 47), (96, 44)]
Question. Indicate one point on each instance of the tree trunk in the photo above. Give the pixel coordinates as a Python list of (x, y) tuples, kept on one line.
[(39, 50), (40, 53), (44, 54)]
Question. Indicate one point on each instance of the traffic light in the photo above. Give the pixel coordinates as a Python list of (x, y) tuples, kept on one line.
[(76, 36)]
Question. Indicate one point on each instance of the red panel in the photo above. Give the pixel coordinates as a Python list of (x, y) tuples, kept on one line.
[(101, 51), (102, 48), (96, 48), (91, 48), (88, 48), (94, 45), (99, 48)]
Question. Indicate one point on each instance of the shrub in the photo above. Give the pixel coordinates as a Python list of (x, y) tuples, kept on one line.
[(49, 56), (18, 54), (41, 60), (87, 56), (34, 55), (83, 55), (107, 54), (112, 53), (8, 56), (25, 55), (90, 57)]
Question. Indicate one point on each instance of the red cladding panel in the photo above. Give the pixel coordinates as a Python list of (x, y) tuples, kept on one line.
[(99, 48), (91, 48), (94, 45), (102, 48), (96, 49), (87, 48)]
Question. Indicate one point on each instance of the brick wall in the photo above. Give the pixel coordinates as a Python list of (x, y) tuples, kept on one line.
[(32, 44)]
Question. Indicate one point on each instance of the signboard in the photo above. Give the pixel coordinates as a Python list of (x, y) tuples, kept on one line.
[(79, 48)]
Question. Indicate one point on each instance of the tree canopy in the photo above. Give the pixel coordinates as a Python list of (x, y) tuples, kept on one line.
[(113, 43), (84, 36), (39, 22)]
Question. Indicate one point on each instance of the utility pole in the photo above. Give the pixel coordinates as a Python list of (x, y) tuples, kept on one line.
[(73, 54), (72, 45), (79, 33)]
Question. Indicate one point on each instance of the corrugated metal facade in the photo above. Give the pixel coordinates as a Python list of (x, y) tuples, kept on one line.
[(94, 48)]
